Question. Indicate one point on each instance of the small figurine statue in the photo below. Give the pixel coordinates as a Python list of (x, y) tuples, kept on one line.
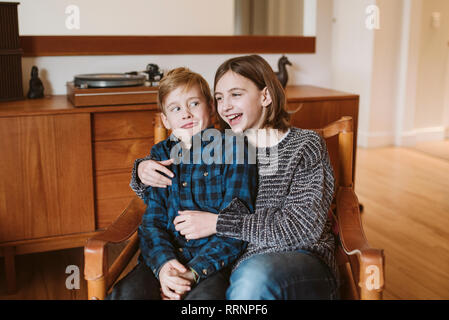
[(154, 75), (36, 90), (282, 74)]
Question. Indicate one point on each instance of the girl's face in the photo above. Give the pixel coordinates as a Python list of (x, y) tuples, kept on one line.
[(240, 103)]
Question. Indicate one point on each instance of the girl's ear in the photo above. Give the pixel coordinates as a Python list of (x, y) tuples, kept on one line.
[(266, 97), (165, 121)]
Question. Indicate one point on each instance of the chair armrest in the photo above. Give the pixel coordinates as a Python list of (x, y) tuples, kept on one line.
[(120, 230), (354, 242), (125, 225)]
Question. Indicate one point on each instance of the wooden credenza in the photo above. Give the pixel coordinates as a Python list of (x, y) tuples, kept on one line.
[(65, 171)]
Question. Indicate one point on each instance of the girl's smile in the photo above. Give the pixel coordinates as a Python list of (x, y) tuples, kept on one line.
[(240, 103)]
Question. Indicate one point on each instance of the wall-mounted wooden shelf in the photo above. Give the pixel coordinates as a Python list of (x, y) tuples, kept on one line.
[(34, 46)]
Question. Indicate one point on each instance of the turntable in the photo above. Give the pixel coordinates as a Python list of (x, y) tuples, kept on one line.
[(106, 89)]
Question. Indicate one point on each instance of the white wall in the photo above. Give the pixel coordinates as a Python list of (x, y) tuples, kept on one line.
[(131, 17), (432, 72), (400, 70), (423, 108), (307, 68), (309, 28), (446, 102), (352, 56), (405, 134), (385, 75)]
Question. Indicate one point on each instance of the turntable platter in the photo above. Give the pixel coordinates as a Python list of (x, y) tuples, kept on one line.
[(108, 80)]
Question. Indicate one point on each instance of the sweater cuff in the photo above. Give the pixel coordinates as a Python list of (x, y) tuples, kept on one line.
[(136, 185), (230, 219)]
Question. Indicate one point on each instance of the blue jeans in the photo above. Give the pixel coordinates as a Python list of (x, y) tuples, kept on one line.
[(282, 276)]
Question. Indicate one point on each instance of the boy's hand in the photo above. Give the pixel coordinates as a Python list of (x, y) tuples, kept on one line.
[(175, 280), (148, 172), (196, 224)]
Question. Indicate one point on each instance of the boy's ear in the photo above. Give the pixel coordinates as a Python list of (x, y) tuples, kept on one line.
[(165, 121), (266, 97)]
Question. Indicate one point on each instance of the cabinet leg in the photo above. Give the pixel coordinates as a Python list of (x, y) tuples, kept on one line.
[(10, 270)]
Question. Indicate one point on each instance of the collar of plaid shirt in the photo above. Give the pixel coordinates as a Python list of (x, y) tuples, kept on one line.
[(199, 142), (194, 154)]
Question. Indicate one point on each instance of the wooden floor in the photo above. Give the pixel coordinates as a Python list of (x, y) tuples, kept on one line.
[(405, 193)]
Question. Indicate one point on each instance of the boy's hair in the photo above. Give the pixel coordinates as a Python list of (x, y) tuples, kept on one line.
[(256, 69), (183, 77)]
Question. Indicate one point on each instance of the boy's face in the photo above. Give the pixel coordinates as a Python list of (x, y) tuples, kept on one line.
[(186, 112)]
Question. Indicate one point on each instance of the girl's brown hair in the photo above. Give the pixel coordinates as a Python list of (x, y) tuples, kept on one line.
[(256, 69), (183, 77)]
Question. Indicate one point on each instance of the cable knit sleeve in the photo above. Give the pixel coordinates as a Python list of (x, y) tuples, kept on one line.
[(300, 216), (136, 185)]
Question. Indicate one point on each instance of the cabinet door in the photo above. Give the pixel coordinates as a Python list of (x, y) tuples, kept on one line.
[(119, 138), (46, 186)]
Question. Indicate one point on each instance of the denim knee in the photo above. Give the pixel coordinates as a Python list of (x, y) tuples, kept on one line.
[(251, 281), (281, 275)]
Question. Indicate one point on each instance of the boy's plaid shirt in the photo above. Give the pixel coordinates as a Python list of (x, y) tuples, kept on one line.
[(203, 187)]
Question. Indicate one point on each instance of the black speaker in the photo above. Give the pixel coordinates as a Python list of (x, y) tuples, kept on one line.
[(10, 53)]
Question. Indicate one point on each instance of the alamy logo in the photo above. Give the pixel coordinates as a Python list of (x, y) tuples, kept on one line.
[(373, 280), (232, 150), (372, 20), (73, 19), (73, 280)]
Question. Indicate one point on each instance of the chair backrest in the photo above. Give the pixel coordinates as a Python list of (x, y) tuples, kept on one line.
[(342, 162), (361, 267), (160, 133)]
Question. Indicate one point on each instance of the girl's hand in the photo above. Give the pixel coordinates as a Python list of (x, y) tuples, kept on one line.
[(175, 280), (196, 224), (148, 172)]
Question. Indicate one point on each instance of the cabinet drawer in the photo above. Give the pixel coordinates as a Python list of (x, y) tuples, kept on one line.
[(120, 154), (113, 184), (123, 125)]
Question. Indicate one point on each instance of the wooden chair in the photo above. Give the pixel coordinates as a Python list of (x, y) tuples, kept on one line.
[(361, 267)]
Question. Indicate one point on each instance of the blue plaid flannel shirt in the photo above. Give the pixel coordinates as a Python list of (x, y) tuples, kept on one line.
[(195, 186)]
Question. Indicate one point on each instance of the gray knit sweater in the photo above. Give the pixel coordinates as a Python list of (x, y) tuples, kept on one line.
[(292, 203)]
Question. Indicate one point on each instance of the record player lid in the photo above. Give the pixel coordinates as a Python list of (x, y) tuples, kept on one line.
[(108, 80)]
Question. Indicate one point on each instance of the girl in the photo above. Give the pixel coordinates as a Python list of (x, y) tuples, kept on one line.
[(290, 253)]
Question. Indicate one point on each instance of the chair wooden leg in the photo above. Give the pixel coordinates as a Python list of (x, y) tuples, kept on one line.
[(96, 289), (361, 208), (10, 270), (370, 294)]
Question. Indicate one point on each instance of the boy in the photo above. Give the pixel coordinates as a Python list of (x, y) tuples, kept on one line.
[(197, 268)]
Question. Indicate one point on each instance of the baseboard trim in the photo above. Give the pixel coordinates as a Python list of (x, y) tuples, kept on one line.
[(375, 139), (410, 138), (406, 139)]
